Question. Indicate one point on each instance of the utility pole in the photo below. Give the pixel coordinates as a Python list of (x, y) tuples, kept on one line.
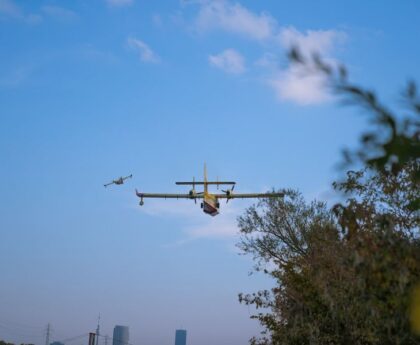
[(97, 330), (47, 335)]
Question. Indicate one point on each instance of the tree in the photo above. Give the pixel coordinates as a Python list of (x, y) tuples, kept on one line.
[(344, 275), (2, 342)]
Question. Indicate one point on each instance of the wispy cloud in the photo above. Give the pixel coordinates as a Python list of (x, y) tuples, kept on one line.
[(9, 9), (119, 3), (15, 77), (59, 13), (235, 18), (145, 52), (268, 60), (229, 61), (198, 225), (219, 227), (157, 20), (289, 83)]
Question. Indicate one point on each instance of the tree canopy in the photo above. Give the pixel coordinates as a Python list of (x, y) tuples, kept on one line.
[(349, 273)]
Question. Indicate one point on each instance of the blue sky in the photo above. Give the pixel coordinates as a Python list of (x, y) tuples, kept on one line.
[(92, 90)]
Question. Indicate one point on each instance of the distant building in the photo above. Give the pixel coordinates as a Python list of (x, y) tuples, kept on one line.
[(180, 337), (120, 336), (54, 343)]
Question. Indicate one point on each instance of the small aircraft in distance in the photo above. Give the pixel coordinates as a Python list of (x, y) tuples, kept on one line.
[(210, 204), (118, 181)]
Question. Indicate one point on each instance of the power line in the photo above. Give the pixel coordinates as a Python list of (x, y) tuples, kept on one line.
[(115, 339), (73, 338), (19, 332), (18, 324)]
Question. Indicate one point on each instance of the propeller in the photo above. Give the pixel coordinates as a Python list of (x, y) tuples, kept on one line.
[(194, 193), (193, 190), (228, 193)]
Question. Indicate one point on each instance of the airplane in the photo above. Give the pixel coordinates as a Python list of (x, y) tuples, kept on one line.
[(210, 204), (118, 181)]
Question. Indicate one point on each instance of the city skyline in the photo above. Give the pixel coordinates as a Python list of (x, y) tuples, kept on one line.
[(120, 336)]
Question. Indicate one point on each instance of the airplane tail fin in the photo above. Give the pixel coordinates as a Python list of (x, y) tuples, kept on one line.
[(205, 178)]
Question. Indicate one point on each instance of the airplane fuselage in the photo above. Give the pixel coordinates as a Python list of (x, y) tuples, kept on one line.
[(210, 201), (210, 204)]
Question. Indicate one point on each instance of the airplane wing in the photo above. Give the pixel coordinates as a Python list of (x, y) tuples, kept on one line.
[(207, 182), (249, 195), (108, 184), (168, 196)]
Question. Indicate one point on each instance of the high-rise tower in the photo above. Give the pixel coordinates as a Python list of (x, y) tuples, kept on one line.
[(180, 337), (121, 335)]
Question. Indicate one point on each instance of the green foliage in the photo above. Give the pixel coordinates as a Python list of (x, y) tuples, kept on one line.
[(394, 140), (337, 281), (345, 275), (2, 342)]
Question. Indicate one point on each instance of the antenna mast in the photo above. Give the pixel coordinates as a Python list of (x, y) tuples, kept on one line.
[(47, 335), (97, 330), (205, 178)]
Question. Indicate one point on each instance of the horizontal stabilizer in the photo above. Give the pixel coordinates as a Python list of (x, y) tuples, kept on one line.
[(208, 182)]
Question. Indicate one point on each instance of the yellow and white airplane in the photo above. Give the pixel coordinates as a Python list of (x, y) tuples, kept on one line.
[(210, 204), (118, 181)]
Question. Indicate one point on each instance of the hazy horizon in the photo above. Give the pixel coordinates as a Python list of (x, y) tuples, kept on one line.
[(94, 90)]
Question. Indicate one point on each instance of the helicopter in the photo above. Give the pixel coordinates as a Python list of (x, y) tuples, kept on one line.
[(210, 201), (118, 181)]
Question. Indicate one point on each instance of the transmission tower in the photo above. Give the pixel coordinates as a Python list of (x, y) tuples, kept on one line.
[(97, 330), (47, 335)]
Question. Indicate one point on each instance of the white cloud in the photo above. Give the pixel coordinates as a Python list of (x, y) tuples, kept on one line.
[(235, 18), (300, 86), (305, 85), (229, 61), (146, 53), (9, 9), (312, 41), (292, 83), (59, 13), (198, 225), (119, 3), (157, 20), (15, 77), (218, 227), (268, 60)]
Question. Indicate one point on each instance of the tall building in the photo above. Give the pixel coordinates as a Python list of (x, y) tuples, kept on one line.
[(180, 337), (121, 336)]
